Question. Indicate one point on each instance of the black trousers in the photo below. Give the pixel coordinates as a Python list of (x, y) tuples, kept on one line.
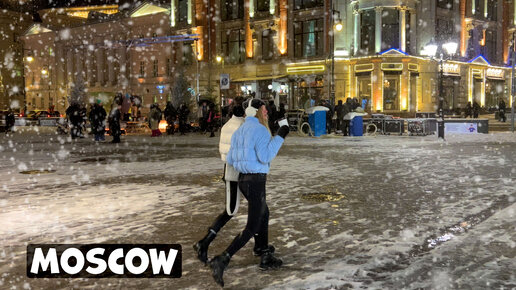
[(252, 187), (224, 217)]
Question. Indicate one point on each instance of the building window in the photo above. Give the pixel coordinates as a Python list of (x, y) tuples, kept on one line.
[(490, 46), (391, 91), (187, 53), (169, 66), (364, 90), (492, 7), (444, 30), (233, 46), (232, 9), (155, 68), (142, 69), (445, 4), (390, 29), (263, 5), (304, 4), (182, 11), (476, 7), (267, 45), (367, 31), (308, 38)]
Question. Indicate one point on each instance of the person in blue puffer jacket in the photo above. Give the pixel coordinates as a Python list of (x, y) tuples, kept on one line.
[(252, 149)]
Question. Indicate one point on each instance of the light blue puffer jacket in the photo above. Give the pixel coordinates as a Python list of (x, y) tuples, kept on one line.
[(252, 148)]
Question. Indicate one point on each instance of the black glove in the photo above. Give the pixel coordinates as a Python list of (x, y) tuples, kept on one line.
[(283, 131)]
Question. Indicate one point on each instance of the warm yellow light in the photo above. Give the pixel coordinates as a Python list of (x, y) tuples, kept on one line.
[(301, 69), (219, 58), (30, 58), (44, 71), (338, 26), (163, 125)]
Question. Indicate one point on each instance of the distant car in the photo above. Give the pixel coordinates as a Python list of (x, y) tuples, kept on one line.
[(35, 115), (32, 114)]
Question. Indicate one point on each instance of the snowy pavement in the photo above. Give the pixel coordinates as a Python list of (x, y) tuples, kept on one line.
[(383, 212)]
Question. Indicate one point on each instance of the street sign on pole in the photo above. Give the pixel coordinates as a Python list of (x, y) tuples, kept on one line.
[(224, 81)]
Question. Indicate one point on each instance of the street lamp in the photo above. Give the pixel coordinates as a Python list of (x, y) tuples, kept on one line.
[(337, 27), (431, 49)]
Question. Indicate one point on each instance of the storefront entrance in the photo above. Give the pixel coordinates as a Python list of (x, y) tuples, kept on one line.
[(364, 90), (494, 93), (391, 91)]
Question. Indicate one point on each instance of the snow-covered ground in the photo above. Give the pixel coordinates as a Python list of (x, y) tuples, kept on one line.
[(383, 212)]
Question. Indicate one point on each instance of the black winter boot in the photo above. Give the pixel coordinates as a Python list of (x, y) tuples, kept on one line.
[(218, 264), (258, 252), (268, 261), (201, 247)]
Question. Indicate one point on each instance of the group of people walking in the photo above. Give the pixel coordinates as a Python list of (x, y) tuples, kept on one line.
[(247, 147), (338, 113)]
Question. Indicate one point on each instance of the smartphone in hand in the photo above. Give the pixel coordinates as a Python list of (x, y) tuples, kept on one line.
[(283, 122)]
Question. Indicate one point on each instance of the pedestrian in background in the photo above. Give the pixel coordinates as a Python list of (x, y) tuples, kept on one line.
[(476, 109), (154, 117), (468, 111), (211, 121), (202, 115), (230, 178), (170, 114), (347, 108), (252, 149), (97, 119), (501, 111), (272, 113), (73, 114), (329, 115), (339, 110), (114, 122), (10, 120), (183, 118)]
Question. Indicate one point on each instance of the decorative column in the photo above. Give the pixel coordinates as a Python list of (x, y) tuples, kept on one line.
[(378, 30), (248, 32), (69, 64), (122, 79), (403, 29), (60, 58), (283, 27), (413, 32), (99, 54), (356, 38), (79, 70), (89, 67), (111, 66)]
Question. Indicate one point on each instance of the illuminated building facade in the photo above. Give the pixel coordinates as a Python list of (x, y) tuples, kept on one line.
[(12, 26), (286, 50)]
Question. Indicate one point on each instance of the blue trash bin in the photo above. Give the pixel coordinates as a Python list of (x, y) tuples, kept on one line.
[(317, 122), (356, 127)]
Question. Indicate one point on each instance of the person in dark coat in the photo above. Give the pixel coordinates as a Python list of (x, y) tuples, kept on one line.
[(468, 111), (476, 109), (114, 123), (339, 109), (9, 121), (210, 121), (183, 118), (98, 121), (73, 113), (329, 115), (501, 111), (203, 116), (347, 108), (281, 112), (170, 117)]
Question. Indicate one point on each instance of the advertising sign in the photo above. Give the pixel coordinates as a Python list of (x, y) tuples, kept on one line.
[(224, 81), (460, 128)]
